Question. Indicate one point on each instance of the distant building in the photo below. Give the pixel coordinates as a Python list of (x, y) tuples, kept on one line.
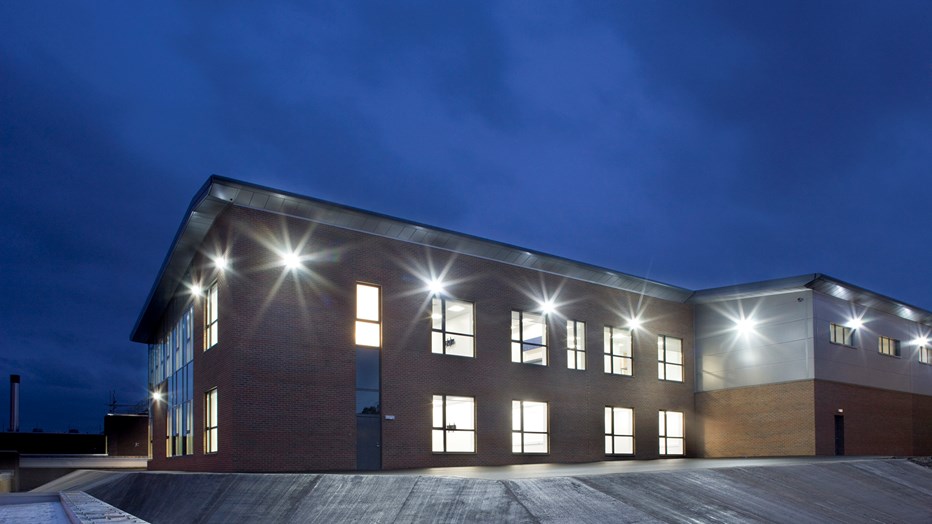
[(286, 333)]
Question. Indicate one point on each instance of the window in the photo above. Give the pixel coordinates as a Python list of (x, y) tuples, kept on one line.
[(368, 326), (210, 421), (453, 327), (617, 351), (528, 338), (839, 334), (925, 355), (670, 358), (454, 428), (889, 346), (619, 431), (575, 345), (671, 433), (177, 371), (528, 427), (210, 317)]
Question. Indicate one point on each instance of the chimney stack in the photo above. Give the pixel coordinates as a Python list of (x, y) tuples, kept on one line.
[(14, 403)]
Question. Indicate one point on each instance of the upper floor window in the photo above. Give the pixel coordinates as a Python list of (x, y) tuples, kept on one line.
[(528, 338), (889, 346), (925, 354), (839, 334), (672, 440), (617, 351), (575, 345), (211, 318), (210, 421), (529, 427), (453, 325), (454, 427), (670, 358), (619, 431), (368, 316)]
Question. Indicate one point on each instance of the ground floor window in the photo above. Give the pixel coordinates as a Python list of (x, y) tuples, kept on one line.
[(529, 427), (619, 431), (210, 421), (671, 433), (454, 427)]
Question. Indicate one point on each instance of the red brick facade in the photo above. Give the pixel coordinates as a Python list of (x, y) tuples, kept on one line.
[(284, 366), (798, 418)]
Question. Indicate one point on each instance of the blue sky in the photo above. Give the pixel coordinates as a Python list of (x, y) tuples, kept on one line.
[(696, 143)]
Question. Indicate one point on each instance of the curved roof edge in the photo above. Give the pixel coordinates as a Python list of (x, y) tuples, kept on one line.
[(219, 192)]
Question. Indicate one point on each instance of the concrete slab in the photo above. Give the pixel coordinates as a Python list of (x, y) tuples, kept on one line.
[(33, 513)]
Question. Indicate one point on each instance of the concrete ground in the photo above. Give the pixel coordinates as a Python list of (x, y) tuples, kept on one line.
[(746, 490)]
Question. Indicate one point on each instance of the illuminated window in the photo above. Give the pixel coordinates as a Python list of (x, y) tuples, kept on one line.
[(671, 433), (619, 431), (575, 345), (210, 421), (368, 316), (529, 427), (670, 358), (839, 334), (925, 354), (453, 326), (178, 374), (889, 346), (528, 338), (210, 317), (454, 427), (617, 351)]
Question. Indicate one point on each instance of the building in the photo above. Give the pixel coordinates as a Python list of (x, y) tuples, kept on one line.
[(287, 333)]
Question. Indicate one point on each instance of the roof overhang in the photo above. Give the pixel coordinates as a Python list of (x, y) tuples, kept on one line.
[(821, 283), (219, 193)]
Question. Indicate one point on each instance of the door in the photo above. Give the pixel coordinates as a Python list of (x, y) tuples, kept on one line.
[(368, 410), (368, 442), (839, 434)]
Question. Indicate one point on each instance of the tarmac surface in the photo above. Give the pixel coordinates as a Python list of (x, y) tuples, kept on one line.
[(682, 490), (797, 490)]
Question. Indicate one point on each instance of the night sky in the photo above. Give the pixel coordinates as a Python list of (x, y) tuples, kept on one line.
[(696, 143)]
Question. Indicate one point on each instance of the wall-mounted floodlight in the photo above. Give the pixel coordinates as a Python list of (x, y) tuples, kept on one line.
[(435, 286), (547, 307), (745, 325), (921, 341), (854, 323), (196, 290), (634, 323), (221, 263), (291, 260), (157, 396)]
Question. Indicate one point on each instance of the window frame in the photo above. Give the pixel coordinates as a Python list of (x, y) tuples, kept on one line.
[(444, 332), (522, 431), (609, 356), (847, 334), (211, 316), (610, 431), (362, 320), (664, 439), (211, 432), (521, 343), (662, 361), (575, 345), (888, 346), (925, 354), (445, 428)]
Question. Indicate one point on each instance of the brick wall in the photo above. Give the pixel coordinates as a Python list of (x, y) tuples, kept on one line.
[(285, 363), (770, 420), (876, 421)]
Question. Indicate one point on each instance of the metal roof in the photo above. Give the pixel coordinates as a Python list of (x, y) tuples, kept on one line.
[(218, 193), (822, 283)]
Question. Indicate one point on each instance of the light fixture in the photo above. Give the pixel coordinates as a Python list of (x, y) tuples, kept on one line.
[(435, 286), (854, 323), (745, 325), (547, 307), (922, 341), (196, 290), (634, 323), (221, 263), (157, 396), (291, 260)]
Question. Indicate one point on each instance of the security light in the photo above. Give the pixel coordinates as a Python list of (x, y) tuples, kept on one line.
[(221, 263), (634, 323), (745, 325), (547, 307), (196, 290), (157, 396), (855, 323), (922, 341), (291, 260), (436, 287)]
